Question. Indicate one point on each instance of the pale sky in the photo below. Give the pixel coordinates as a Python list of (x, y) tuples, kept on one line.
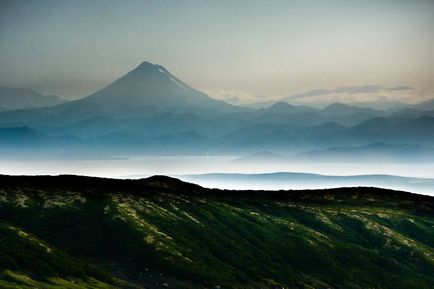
[(260, 48)]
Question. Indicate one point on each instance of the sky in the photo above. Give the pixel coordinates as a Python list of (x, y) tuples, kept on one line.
[(255, 48)]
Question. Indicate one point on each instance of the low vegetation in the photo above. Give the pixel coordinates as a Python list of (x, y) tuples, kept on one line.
[(80, 232)]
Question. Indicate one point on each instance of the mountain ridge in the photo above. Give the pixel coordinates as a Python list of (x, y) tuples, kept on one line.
[(12, 98), (160, 232), (151, 85), (147, 86)]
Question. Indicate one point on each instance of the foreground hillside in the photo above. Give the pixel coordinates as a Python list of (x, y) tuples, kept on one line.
[(81, 232)]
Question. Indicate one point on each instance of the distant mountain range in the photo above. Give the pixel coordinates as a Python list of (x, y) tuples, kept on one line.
[(147, 90), (23, 98), (375, 152), (371, 153), (288, 181), (149, 110), (151, 85)]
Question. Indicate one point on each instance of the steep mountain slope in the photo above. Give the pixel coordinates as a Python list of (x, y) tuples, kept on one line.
[(152, 85), (20, 98), (149, 87), (162, 233), (147, 90)]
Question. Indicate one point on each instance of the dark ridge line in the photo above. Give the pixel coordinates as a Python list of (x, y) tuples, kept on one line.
[(99, 186)]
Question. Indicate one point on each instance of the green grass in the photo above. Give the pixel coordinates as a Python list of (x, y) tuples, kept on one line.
[(161, 233)]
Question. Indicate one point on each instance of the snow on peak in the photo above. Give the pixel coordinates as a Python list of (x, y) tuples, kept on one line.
[(170, 77)]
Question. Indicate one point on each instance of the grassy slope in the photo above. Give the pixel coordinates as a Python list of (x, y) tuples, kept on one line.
[(77, 232)]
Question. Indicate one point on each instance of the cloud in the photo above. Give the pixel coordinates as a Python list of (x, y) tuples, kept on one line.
[(371, 95), (240, 97)]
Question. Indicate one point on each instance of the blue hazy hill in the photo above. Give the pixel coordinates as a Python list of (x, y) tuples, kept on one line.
[(148, 110)]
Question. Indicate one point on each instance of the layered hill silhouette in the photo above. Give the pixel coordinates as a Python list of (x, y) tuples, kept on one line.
[(82, 232), (374, 152), (22, 98), (150, 111), (147, 88)]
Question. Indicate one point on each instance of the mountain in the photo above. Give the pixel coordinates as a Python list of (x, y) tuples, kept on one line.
[(371, 153), (412, 113), (284, 107), (395, 131), (262, 157), (11, 137), (149, 110), (334, 110), (149, 89), (283, 112), (340, 109), (21, 98), (283, 138), (261, 136), (231, 133), (375, 152), (289, 135), (26, 144), (152, 85), (350, 115), (82, 232)]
